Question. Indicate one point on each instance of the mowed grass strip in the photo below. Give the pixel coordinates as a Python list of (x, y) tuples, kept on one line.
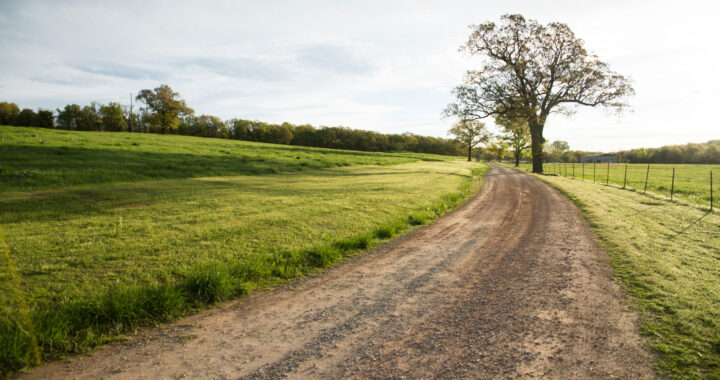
[(692, 181), (667, 256), (98, 260), (37, 158)]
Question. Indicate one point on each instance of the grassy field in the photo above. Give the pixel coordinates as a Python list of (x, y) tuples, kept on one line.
[(36, 158), (692, 182), (88, 257), (667, 256)]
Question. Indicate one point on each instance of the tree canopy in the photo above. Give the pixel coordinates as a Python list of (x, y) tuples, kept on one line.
[(164, 107), (557, 151), (470, 133), (531, 70)]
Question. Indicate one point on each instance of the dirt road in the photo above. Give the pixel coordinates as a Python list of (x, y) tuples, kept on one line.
[(510, 285)]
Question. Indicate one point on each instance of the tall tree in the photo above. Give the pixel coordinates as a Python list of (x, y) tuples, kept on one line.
[(113, 118), (90, 118), (470, 133), (26, 118), (44, 118), (70, 117), (516, 133), (533, 70), (165, 107)]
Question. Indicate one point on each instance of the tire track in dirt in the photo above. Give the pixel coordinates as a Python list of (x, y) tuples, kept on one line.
[(510, 285)]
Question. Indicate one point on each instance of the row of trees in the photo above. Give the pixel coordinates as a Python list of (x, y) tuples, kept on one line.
[(94, 117), (165, 112), (10, 114), (514, 137), (559, 151)]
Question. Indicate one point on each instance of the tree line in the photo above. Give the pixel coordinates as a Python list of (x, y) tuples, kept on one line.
[(704, 153), (692, 153), (559, 151), (165, 113)]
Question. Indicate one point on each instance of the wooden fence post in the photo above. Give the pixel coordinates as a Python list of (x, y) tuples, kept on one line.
[(573, 167), (646, 178), (594, 164), (607, 177), (583, 167), (711, 197), (672, 185), (625, 179)]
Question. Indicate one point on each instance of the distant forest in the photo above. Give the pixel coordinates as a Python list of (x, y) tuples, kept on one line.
[(113, 117), (692, 153), (704, 153)]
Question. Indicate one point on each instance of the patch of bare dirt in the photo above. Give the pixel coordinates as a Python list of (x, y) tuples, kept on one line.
[(510, 285)]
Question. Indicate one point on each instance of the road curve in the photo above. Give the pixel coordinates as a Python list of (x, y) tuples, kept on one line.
[(510, 285)]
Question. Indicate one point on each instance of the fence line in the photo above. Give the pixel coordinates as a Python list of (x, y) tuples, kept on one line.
[(688, 182)]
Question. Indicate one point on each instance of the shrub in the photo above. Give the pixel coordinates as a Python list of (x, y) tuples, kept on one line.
[(208, 284), (354, 243), (418, 218), (322, 256)]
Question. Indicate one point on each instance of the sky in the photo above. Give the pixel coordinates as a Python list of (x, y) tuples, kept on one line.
[(386, 66)]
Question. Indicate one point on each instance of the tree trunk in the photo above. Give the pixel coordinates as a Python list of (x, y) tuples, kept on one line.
[(537, 142), (517, 157), (469, 153)]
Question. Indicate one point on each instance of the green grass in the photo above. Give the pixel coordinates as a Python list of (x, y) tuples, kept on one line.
[(107, 255), (692, 182), (667, 256), (36, 158)]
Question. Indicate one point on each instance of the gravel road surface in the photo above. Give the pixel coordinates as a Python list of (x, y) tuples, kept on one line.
[(510, 285)]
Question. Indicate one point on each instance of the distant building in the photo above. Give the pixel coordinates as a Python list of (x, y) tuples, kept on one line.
[(599, 158)]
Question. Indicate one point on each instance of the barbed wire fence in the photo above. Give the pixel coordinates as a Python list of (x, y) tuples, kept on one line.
[(692, 183)]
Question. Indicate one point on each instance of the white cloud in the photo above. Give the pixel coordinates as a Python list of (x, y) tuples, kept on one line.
[(385, 66)]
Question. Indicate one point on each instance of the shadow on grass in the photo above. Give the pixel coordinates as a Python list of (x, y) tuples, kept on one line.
[(350, 152), (690, 225), (47, 205), (29, 167)]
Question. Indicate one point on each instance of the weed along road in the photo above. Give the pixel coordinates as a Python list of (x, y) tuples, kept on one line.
[(510, 285)]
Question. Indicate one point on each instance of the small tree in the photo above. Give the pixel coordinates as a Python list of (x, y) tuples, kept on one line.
[(470, 133), (165, 107), (533, 70), (556, 150), (516, 133), (498, 149)]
